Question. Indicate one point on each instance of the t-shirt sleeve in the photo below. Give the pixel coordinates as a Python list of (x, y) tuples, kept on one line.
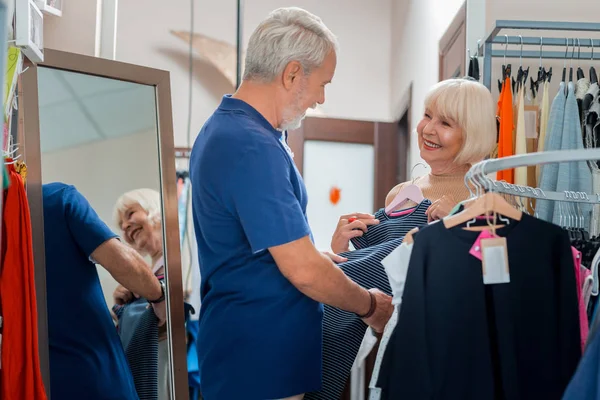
[(87, 229), (264, 198)]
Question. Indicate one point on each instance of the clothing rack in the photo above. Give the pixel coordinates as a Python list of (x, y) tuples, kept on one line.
[(486, 167), (182, 152), (495, 38)]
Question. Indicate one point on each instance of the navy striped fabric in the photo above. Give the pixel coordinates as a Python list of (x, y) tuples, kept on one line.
[(343, 331), (138, 330), (389, 227)]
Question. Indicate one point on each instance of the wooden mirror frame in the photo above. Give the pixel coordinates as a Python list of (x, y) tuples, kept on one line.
[(29, 138)]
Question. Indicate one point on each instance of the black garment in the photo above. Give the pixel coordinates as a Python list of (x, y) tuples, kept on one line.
[(390, 228), (457, 338)]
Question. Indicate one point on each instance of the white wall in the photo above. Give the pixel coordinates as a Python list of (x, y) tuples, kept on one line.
[(538, 10), (542, 10), (360, 89), (418, 26), (102, 171), (75, 31)]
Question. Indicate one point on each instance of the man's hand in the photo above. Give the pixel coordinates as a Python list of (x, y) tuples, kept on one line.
[(383, 311), (122, 295), (160, 309), (347, 230), (440, 208)]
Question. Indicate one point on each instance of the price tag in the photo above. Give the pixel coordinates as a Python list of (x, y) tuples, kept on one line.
[(476, 248), (494, 261)]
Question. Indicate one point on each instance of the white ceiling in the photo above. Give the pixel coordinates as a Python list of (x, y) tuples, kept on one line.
[(76, 109)]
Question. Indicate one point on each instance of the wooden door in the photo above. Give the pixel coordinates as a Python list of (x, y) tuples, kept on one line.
[(362, 160)]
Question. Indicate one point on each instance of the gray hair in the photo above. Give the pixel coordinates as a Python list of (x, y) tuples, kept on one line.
[(147, 199), (287, 34)]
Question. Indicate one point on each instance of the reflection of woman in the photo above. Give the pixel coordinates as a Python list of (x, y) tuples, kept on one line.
[(138, 214), (458, 128)]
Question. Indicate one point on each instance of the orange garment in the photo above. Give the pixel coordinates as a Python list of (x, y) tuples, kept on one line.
[(505, 138), (20, 375)]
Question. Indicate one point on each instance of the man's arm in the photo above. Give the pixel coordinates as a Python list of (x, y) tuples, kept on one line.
[(315, 275), (128, 268)]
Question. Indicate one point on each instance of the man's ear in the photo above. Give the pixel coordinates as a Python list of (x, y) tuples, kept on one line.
[(291, 73)]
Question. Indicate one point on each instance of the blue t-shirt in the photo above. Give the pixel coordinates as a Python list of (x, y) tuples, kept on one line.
[(260, 337), (86, 357)]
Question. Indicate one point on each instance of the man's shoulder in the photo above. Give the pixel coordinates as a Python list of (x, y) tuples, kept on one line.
[(237, 128), (57, 193)]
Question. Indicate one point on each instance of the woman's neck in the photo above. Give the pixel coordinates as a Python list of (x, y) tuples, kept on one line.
[(450, 170), (155, 259)]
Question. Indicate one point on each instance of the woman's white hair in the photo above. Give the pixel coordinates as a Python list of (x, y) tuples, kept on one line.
[(147, 199), (287, 34), (470, 105)]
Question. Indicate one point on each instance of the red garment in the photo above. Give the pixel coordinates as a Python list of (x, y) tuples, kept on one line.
[(20, 375)]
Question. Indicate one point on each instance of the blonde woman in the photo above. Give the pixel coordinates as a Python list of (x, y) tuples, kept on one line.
[(138, 215), (458, 129)]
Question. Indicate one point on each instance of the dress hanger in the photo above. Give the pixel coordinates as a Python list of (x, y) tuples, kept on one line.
[(564, 74), (409, 192), (593, 76), (487, 204), (580, 74)]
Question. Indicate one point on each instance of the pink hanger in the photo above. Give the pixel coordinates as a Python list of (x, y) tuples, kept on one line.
[(410, 192)]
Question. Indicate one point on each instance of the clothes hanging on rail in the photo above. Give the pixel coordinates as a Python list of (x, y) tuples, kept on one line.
[(581, 88), (549, 172), (20, 374), (572, 176), (520, 174), (505, 137), (544, 114), (343, 332), (457, 338), (579, 278), (396, 268), (591, 135)]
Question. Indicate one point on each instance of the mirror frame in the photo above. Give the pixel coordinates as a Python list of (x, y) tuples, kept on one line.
[(29, 137)]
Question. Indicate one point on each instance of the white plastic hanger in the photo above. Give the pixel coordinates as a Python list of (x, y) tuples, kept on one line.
[(409, 192)]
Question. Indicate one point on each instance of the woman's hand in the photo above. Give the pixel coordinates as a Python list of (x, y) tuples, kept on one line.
[(334, 257), (348, 227), (122, 295), (440, 208)]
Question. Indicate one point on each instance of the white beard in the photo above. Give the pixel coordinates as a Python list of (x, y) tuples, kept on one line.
[(293, 115), (295, 123)]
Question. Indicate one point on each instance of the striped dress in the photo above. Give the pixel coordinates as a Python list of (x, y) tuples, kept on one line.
[(343, 331)]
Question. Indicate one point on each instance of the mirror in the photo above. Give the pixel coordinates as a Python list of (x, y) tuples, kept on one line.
[(100, 172)]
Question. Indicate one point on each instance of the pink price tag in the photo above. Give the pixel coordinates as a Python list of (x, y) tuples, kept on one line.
[(476, 248)]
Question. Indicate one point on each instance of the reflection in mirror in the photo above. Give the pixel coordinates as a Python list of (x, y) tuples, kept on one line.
[(101, 180)]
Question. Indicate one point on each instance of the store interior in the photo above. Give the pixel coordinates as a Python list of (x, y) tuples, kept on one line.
[(113, 98)]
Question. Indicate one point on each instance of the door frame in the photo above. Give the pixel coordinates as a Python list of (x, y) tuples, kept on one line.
[(458, 24), (381, 135)]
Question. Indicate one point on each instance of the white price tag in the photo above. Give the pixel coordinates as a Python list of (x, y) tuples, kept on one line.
[(495, 261)]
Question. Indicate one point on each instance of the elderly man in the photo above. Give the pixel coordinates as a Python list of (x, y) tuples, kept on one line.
[(87, 360), (263, 280)]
